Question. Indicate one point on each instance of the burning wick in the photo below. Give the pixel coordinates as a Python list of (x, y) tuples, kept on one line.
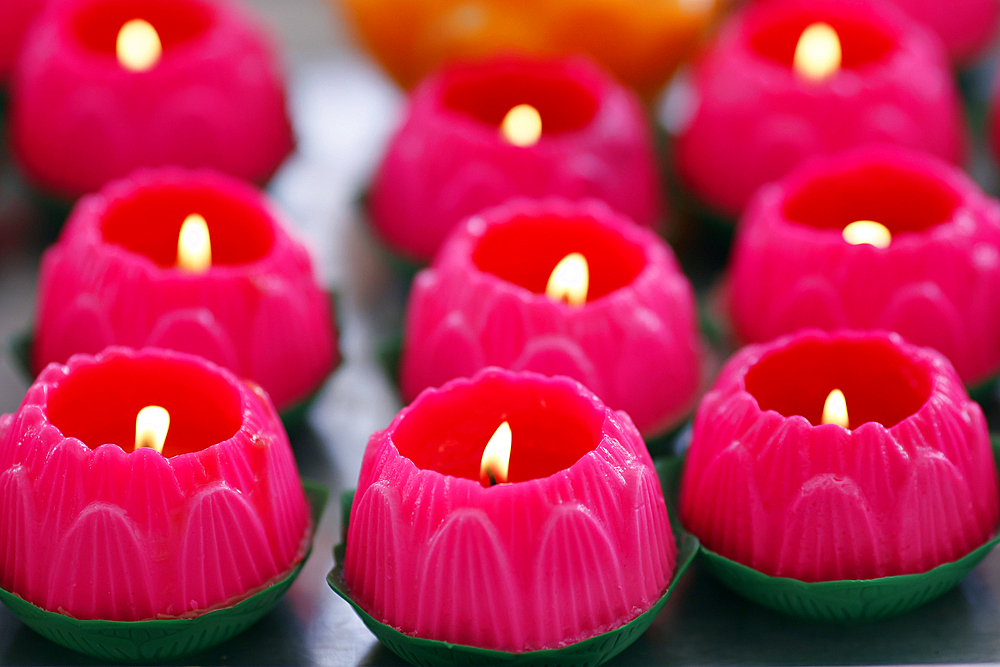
[(496, 457), (151, 425), (570, 280), (835, 409), (138, 46), (868, 232), (194, 246), (818, 54), (522, 126)]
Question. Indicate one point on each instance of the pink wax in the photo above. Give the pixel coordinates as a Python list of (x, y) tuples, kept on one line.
[(577, 544), (449, 161), (111, 279), (937, 284), (754, 118), (912, 485), (15, 17), (967, 27), (634, 343), (93, 529), (216, 97)]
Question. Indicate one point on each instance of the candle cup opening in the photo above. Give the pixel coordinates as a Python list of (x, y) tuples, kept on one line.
[(96, 25), (863, 42), (98, 403), (489, 92), (900, 198), (149, 221), (879, 382), (525, 250), (552, 427)]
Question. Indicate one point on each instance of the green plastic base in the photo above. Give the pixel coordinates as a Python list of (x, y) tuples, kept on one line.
[(590, 652), (846, 601), (159, 640)]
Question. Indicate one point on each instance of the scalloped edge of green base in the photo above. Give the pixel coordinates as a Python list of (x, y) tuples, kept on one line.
[(293, 418), (160, 640), (589, 653), (847, 601)]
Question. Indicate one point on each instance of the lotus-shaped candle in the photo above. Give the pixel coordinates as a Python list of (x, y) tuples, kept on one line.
[(630, 335), (572, 541), (95, 526), (776, 484), (455, 154), (122, 274), (933, 276)]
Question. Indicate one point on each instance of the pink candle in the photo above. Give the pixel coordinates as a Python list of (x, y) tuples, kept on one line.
[(759, 109), (113, 279), (934, 277), (633, 340), (15, 17), (772, 484), (966, 27), (89, 106), (588, 138), (93, 527), (576, 543)]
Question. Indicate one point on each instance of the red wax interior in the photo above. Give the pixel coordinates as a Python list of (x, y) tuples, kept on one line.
[(551, 426), (879, 382), (904, 200), (863, 42), (487, 94), (98, 404), (527, 249), (149, 223), (176, 21)]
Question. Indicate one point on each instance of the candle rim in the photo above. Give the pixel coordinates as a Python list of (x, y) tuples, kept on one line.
[(935, 371), (468, 237), (431, 398)]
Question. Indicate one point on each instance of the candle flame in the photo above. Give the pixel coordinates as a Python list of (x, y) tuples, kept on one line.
[(151, 425), (138, 47), (818, 54), (194, 245), (496, 457), (869, 232), (835, 409), (570, 280), (522, 126)]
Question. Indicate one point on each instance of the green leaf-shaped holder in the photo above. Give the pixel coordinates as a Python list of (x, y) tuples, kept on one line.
[(293, 417), (160, 640), (590, 652), (845, 601)]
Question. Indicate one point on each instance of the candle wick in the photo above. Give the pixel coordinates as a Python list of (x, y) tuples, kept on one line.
[(491, 476)]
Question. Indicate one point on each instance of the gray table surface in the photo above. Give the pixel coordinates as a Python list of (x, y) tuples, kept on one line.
[(344, 111)]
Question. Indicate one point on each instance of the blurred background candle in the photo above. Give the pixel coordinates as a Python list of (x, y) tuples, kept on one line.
[(966, 27), (764, 94), (15, 17), (909, 483), (559, 288), (640, 43), (105, 86), (98, 523), (477, 134), (573, 542), (875, 238), (193, 261)]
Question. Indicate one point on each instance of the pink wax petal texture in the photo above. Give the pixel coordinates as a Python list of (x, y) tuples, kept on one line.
[(966, 27), (93, 531), (773, 491), (79, 119), (937, 284), (448, 160), (749, 107), (534, 564), (258, 311), (635, 343)]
